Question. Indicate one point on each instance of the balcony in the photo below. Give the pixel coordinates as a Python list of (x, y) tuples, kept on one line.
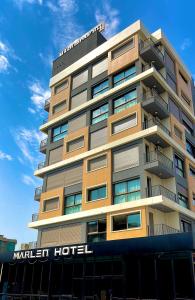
[(159, 190), (43, 146), (47, 104), (35, 217), (153, 103), (161, 229), (156, 138), (151, 81), (158, 164), (41, 165), (38, 191), (150, 53)]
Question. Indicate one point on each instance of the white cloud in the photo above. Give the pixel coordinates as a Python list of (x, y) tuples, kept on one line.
[(3, 47), (28, 180), (5, 156), (20, 3), (28, 142), (110, 16), (4, 63), (38, 96), (186, 44)]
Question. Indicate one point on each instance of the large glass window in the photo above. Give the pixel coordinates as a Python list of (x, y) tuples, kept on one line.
[(125, 101), (183, 201), (190, 148), (127, 191), (124, 222), (100, 114), (97, 193), (100, 88), (125, 75), (179, 166), (96, 231), (72, 204), (59, 132), (186, 226)]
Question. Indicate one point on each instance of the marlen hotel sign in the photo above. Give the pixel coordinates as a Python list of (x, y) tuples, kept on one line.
[(53, 252)]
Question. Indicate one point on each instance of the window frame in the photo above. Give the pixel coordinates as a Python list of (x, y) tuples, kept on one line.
[(96, 233), (88, 161), (120, 120), (124, 78), (102, 91), (77, 138), (177, 167), (126, 193), (58, 104), (181, 198), (127, 215), (101, 114), (61, 132), (96, 188), (74, 205), (123, 44), (49, 199), (125, 103), (65, 82)]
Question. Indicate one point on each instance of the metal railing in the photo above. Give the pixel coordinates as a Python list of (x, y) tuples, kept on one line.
[(158, 156), (43, 143), (41, 165), (149, 42), (47, 102), (151, 65), (155, 94), (161, 229), (35, 217), (153, 122), (159, 190), (38, 191)]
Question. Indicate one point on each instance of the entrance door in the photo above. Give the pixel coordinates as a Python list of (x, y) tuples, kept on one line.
[(151, 224), (149, 187)]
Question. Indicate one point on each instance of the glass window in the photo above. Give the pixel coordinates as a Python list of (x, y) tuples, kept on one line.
[(192, 171), (186, 226), (100, 114), (171, 82), (125, 75), (60, 87), (179, 166), (123, 222), (96, 231), (100, 88), (190, 148), (183, 201), (97, 193), (59, 132), (127, 191), (125, 101), (73, 204), (188, 128), (183, 77)]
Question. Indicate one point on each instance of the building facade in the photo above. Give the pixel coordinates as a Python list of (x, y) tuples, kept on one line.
[(117, 205), (6, 244)]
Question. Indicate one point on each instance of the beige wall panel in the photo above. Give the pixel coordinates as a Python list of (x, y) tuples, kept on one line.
[(97, 178), (182, 86), (72, 136), (125, 113), (126, 234), (57, 98), (57, 193), (175, 122), (115, 65)]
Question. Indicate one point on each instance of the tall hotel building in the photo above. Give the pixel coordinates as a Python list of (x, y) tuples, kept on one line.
[(118, 193)]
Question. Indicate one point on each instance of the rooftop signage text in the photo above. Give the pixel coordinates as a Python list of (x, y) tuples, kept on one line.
[(56, 252), (100, 27)]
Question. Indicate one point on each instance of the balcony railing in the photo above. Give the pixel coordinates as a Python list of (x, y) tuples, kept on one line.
[(158, 156), (35, 217), (159, 190), (152, 122), (43, 143), (154, 93), (161, 229), (150, 42), (41, 165), (38, 191), (47, 104), (151, 65)]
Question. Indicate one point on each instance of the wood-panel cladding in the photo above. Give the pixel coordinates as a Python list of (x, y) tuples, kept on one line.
[(55, 155), (46, 196), (175, 124), (77, 123), (99, 138), (125, 59)]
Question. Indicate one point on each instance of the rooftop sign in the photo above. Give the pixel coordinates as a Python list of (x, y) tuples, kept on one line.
[(100, 27)]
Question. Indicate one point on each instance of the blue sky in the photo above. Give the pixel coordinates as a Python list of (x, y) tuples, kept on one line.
[(32, 33)]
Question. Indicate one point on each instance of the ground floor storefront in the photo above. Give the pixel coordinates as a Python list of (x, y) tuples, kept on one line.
[(148, 268)]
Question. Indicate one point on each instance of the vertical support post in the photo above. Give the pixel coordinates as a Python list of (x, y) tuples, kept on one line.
[(173, 278), (49, 281), (1, 272), (192, 266), (156, 278), (139, 279)]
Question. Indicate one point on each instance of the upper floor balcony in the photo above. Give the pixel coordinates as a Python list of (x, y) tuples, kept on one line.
[(150, 53), (35, 217), (43, 146), (159, 190), (156, 138), (161, 229), (153, 103), (41, 165), (47, 104), (158, 164), (38, 191)]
